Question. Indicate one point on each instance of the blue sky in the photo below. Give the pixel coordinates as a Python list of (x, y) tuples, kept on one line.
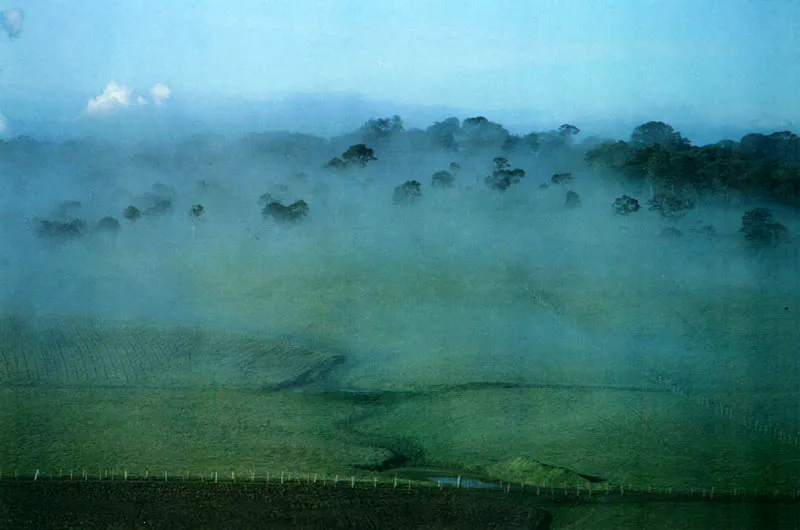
[(722, 60)]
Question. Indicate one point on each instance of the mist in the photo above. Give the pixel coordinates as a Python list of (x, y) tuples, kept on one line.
[(553, 246), (466, 284)]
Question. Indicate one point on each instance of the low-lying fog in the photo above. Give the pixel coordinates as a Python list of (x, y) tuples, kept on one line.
[(466, 284)]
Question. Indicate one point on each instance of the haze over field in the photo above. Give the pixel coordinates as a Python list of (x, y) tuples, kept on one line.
[(561, 196)]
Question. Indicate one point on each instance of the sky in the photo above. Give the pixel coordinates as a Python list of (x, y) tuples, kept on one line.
[(724, 61)]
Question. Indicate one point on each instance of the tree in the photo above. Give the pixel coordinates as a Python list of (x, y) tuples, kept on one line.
[(478, 132), (335, 163), (407, 193), (658, 168), (573, 200), (531, 141), (625, 205), (443, 134), (358, 154), (760, 230), (381, 128), (500, 163), (132, 213), (568, 130), (561, 178), (62, 230), (671, 205), (718, 167), (609, 155), (502, 177), (442, 179), (477, 121), (286, 214), (785, 184), (781, 147), (755, 144), (657, 132), (511, 143)]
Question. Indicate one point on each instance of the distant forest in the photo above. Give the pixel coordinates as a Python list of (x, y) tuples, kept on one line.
[(655, 155), (656, 161)]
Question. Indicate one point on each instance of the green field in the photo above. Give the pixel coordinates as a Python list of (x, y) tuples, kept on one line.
[(500, 378)]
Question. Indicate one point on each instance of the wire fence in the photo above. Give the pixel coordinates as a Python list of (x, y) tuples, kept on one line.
[(548, 489)]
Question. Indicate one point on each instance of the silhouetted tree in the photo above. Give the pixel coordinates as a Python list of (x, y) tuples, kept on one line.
[(108, 225), (657, 132), (62, 230), (335, 163), (626, 205), (132, 213), (502, 177), (573, 200), (286, 214), (407, 193), (671, 205), (659, 158), (781, 147), (561, 178), (568, 130), (531, 141), (478, 132), (500, 163), (443, 134), (761, 230), (442, 179), (609, 155), (511, 143), (381, 128), (359, 154)]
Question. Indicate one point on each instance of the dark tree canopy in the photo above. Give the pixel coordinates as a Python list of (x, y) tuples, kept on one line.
[(442, 179), (625, 205), (502, 176), (381, 128), (407, 193), (500, 163), (479, 132), (568, 130), (561, 178), (761, 230), (359, 154), (609, 155), (477, 121), (530, 141), (573, 200), (132, 213), (286, 214), (335, 163), (780, 147), (62, 230), (442, 134), (671, 205), (657, 132)]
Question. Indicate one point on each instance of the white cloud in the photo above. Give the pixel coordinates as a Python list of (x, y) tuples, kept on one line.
[(160, 93), (3, 125), (113, 97), (11, 22), (116, 96)]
